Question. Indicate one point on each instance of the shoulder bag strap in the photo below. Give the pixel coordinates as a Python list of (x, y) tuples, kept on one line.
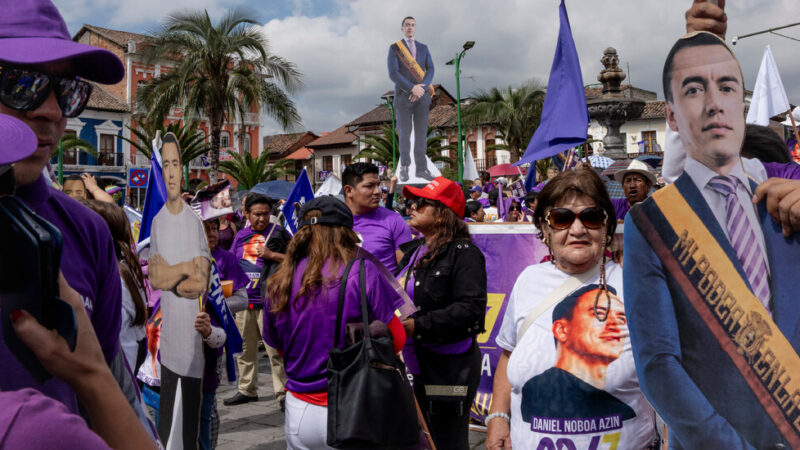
[(340, 306), (362, 281), (570, 285)]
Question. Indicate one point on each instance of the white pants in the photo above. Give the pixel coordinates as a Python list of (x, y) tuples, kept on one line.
[(306, 425)]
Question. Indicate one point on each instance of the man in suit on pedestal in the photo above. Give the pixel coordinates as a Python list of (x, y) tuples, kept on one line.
[(411, 70)]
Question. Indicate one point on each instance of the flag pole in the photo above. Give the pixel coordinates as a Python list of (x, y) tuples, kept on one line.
[(794, 127)]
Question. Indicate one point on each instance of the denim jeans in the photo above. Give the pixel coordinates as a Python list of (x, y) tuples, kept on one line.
[(209, 422)]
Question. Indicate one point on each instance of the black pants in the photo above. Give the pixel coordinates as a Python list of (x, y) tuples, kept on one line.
[(191, 401), (448, 418), (410, 113)]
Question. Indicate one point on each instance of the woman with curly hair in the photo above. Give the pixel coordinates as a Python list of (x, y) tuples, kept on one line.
[(445, 274)]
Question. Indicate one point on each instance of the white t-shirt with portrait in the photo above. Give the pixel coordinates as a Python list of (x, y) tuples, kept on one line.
[(536, 354)]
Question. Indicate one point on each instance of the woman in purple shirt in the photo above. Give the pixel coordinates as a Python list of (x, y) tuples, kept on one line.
[(445, 274), (300, 318)]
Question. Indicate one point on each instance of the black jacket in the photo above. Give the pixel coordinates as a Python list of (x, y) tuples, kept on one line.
[(449, 291)]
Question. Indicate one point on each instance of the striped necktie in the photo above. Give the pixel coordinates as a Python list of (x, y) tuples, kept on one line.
[(743, 238)]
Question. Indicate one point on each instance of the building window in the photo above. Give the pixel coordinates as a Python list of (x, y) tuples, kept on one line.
[(347, 160), (224, 139), (106, 150), (327, 163), (649, 142), (246, 144)]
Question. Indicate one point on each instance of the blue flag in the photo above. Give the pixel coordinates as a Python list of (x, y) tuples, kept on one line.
[(155, 197), (565, 117), (301, 193)]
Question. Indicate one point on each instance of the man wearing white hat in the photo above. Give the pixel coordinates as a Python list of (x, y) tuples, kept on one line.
[(636, 181)]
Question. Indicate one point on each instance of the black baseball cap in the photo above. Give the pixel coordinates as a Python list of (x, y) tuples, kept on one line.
[(333, 210)]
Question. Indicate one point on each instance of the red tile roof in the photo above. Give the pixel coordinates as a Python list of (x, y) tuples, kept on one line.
[(103, 100), (654, 110), (337, 137), (596, 90), (280, 144), (120, 38), (301, 153)]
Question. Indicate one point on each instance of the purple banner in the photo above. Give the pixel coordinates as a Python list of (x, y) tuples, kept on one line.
[(508, 248)]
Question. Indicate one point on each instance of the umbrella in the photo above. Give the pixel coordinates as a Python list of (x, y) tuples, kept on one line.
[(276, 189), (614, 189), (599, 161), (653, 160), (623, 164), (504, 170)]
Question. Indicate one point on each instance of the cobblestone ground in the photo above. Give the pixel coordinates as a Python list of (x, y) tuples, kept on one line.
[(259, 425)]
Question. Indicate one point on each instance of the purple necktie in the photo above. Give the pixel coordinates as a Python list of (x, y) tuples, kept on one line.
[(413, 47), (742, 238)]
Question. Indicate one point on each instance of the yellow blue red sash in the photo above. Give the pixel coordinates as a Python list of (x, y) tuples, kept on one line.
[(411, 64)]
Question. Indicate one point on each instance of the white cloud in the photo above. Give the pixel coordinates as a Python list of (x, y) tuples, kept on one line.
[(343, 57)]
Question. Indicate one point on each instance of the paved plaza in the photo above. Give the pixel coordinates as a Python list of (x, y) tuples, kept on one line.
[(259, 425)]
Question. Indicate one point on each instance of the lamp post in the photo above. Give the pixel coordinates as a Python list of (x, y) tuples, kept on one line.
[(457, 62), (388, 100)]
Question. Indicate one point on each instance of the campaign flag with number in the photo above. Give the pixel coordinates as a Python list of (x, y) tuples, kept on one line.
[(301, 193)]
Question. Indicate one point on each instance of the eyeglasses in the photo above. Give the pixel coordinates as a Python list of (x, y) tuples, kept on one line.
[(420, 202), (26, 90), (514, 208), (593, 217)]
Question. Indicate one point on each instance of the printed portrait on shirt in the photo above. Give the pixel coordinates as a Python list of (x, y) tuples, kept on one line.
[(589, 329)]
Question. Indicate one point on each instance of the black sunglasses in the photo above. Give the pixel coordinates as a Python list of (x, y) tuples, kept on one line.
[(419, 202), (593, 217), (26, 90), (514, 208)]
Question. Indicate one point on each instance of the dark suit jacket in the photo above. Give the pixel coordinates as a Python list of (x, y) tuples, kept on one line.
[(684, 373), (402, 77)]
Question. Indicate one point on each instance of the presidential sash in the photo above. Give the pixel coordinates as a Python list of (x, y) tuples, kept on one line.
[(411, 64), (718, 290)]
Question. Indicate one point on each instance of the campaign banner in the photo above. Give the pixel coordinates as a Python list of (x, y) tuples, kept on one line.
[(508, 248)]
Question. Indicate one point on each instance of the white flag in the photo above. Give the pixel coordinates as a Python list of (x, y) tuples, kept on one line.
[(769, 96), (470, 171)]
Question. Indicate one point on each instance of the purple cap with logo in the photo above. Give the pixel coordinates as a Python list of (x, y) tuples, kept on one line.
[(17, 140), (33, 32)]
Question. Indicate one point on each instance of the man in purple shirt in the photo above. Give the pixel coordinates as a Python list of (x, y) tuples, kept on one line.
[(381, 230), (35, 45), (256, 245)]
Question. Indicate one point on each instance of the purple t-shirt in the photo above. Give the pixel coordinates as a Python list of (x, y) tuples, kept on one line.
[(229, 268), (245, 249), (621, 207), (382, 231), (29, 419), (455, 348), (304, 332), (783, 170), (89, 266)]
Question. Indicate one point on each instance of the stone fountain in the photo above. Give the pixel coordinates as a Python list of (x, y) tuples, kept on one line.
[(613, 108)]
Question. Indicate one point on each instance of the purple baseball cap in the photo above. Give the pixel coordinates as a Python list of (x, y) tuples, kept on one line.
[(17, 140), (33, 32), (476, 189)]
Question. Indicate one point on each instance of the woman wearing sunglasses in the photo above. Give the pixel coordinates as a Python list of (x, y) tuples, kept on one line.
[(445, 275), (591, 353)]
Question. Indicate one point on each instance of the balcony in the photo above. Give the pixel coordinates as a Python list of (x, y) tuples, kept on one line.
[(109, 159)]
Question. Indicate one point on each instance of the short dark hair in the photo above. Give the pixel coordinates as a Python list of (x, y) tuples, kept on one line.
[(530, 197), (695, 40), (472, 207), (354, 173), (406, 18), (484, 175), (74, 177), (492, 195), (764, 144), (581, 181), (257, 199), (172, 139)]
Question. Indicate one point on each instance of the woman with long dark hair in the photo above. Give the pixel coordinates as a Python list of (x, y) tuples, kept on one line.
[(300, 315), (134, 297), (445, 274)]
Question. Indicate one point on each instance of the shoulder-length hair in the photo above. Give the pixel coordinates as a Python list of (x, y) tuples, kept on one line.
[(332, 244), (447, 227)]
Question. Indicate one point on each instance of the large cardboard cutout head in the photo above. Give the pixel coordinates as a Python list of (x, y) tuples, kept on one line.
[(171, 168), (704, 92)]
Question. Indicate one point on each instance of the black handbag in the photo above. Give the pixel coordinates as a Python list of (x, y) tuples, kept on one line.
[(370, 401)]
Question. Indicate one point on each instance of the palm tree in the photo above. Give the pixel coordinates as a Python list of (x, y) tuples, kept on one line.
[(516, 111), (221, 71), (248, 171), (70, 141), (379, 148)]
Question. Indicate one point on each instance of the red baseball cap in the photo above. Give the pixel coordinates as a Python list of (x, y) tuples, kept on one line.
[(441, 189)]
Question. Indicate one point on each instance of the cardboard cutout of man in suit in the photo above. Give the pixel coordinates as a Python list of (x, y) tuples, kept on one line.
[(412, 77)]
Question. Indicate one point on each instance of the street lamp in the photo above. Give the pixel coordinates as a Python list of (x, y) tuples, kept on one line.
[(388, 101), (457, 61)]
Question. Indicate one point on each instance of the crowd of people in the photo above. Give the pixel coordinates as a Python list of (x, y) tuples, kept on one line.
[(599, 345)]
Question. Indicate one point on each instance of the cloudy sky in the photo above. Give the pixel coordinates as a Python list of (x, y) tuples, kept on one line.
[(341, 46)]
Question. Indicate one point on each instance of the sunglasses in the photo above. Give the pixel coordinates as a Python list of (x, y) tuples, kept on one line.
[(26, 90), (593, 218), (514, 208), (420, 202)]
